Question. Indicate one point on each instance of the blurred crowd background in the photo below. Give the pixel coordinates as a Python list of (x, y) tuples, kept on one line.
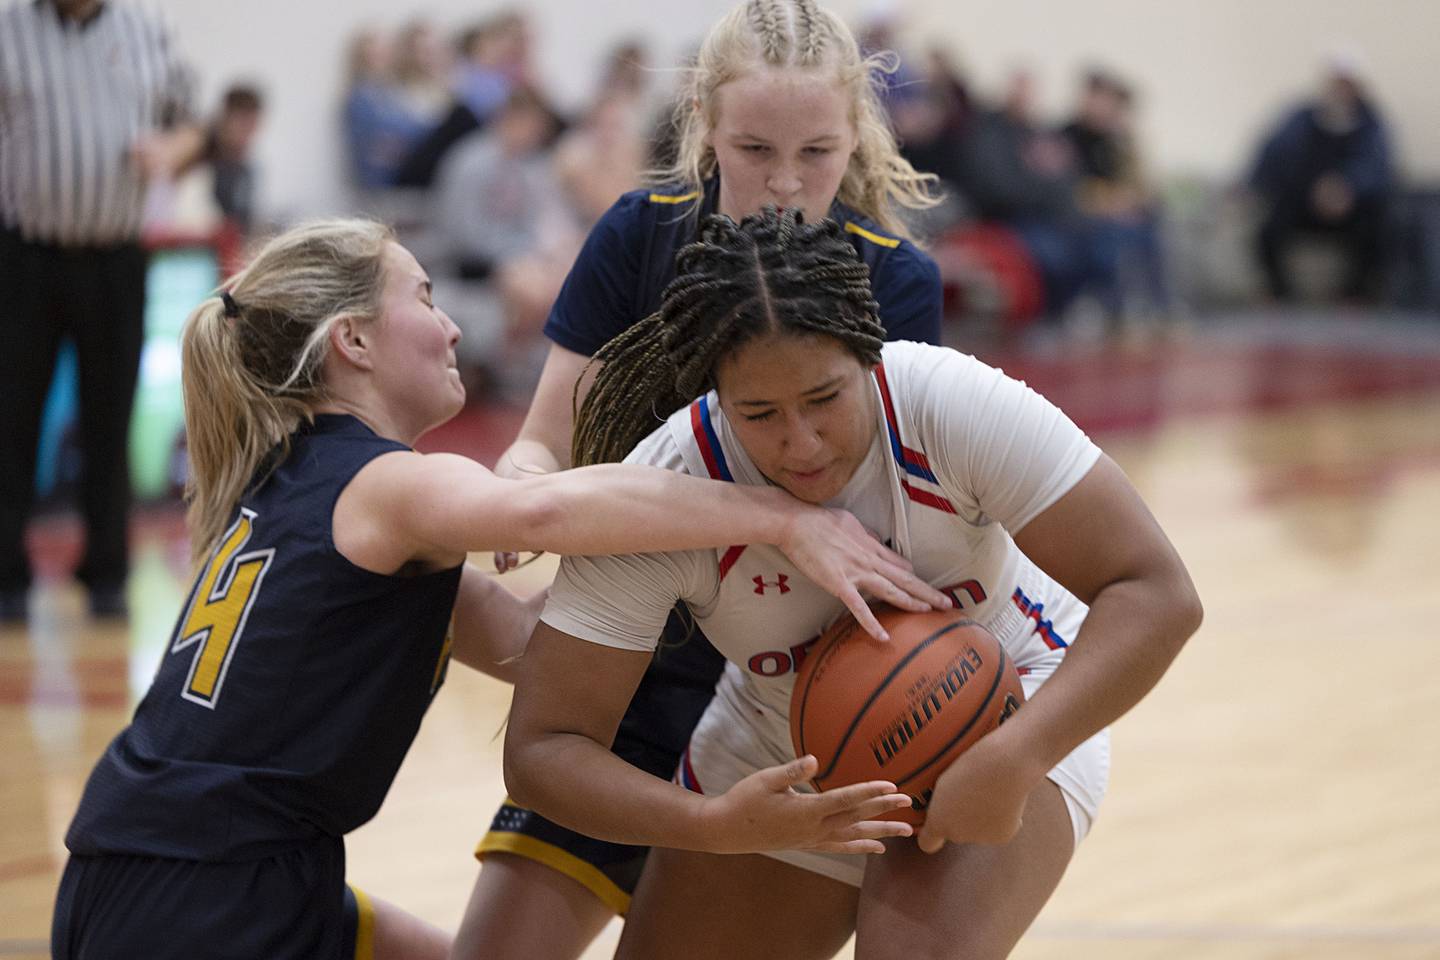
[(1064, 218), (1118, 173)]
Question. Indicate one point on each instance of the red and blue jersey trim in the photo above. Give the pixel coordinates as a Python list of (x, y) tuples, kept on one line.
[(714, 456), (685, 776), (709, 441), (911, 461), (1035, 610)]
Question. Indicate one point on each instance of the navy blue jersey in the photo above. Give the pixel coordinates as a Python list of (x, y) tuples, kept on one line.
[(629, 258), (291, 689)]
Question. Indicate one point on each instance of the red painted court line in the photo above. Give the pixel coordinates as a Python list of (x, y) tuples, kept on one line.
[(55, 541), (1113, 391), (28, 867), (1373, 475), (95, 683)]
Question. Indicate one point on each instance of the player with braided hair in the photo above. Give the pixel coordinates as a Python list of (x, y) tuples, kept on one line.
[(972, 476), (665, 360), (781, 108)]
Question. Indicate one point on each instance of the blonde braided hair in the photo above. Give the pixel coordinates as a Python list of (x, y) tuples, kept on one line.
[(879, 183)]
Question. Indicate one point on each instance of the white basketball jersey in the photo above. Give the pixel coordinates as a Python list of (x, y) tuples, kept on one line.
[(961, 452)]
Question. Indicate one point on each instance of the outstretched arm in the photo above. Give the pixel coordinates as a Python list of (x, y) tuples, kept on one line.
[(435, 508)]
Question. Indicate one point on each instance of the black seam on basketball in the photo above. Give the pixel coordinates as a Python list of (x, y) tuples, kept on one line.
[(974, 719), (829, 651), (879, 687)]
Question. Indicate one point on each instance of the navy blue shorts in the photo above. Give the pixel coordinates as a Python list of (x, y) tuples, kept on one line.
[(292, 905)]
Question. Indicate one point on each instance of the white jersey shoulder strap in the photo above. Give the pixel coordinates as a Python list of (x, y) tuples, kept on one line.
[(694, 430)]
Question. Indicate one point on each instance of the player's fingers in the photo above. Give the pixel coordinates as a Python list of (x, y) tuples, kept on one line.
[(929, 838), (787, 775), (886, 555), (904, 589), (505, 560), (875, 807), (885, 590), (844, 800), (850, 846), (870, 830), (864, 615)]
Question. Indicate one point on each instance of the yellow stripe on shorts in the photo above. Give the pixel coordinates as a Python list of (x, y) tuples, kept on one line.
[(562, 861), (364, 925)]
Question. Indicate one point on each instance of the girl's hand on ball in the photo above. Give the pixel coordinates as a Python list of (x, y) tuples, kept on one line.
[(765, 812), (979, 799)]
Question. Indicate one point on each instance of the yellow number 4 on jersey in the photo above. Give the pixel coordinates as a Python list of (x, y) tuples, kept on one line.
[(218, 609)]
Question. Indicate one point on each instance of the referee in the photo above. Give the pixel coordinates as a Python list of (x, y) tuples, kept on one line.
[(94, 103)]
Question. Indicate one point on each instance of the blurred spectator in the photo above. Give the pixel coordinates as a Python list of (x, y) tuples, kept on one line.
[(380, 127), (878, 36), (227, 150), (422, 71), (948, 80), (1016, 169), (1018, 173), (503, 217), (1326, 168), (626, 72), (1123, 213), (604, 155), (71, 263), (494, 59), (1095, 135), (931, 118)]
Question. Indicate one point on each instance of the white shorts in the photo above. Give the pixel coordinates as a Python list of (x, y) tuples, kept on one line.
[(727, 746)]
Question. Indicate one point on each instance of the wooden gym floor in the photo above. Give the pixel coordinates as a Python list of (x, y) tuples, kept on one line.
[(1278, 796)]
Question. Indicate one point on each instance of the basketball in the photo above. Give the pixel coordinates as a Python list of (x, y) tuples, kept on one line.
[(900, 711)]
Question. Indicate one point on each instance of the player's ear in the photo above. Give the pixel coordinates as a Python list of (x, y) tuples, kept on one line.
[(350, 341)]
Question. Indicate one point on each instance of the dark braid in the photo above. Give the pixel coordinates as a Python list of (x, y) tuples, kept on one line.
[(770, 273)]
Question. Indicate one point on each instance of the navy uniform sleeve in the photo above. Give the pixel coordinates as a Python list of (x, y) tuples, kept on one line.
[(907, 287), (597, 301)]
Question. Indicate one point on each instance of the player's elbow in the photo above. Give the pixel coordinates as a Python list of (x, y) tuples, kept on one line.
[(1185, 610), (1194, 612)]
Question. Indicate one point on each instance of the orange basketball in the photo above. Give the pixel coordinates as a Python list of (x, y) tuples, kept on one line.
[(900, 711)]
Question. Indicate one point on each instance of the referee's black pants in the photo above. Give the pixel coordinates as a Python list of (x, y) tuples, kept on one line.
[(96, 297)]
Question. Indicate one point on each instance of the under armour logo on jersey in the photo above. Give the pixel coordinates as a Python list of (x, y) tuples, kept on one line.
[(781, 581)]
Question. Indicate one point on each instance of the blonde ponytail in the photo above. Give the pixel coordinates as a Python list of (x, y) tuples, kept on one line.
[(252, 374)]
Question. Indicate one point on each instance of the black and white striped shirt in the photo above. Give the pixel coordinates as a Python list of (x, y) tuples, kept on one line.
[(74, 100)]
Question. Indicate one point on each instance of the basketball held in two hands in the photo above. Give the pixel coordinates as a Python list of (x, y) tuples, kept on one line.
[(900, 711)]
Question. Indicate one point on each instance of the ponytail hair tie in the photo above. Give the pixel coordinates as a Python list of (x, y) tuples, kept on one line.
[(232, 309)]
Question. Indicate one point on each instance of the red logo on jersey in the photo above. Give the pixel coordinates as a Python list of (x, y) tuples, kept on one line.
[(780, 581)]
